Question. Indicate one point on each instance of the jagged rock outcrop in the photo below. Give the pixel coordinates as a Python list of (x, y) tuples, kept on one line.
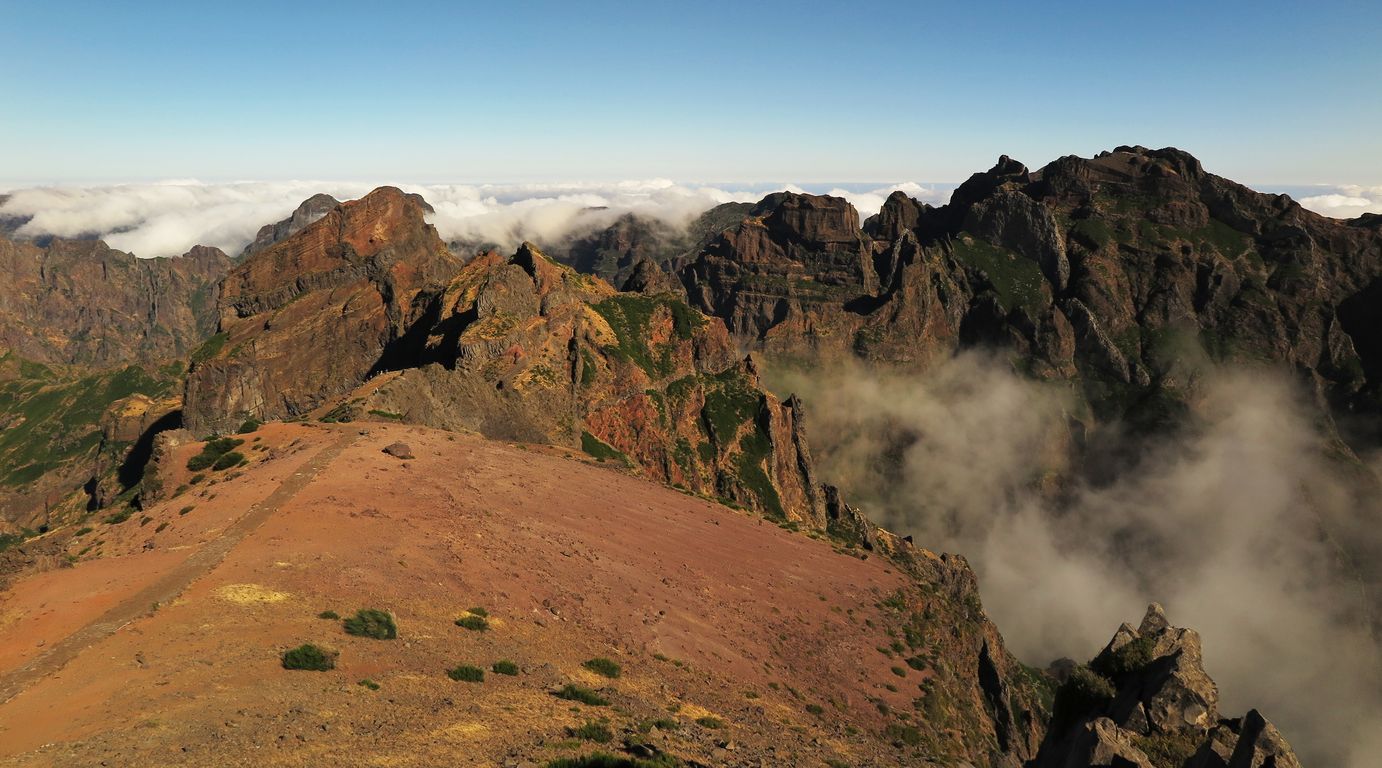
[(1146, 701), (614, 252), (311, 209), (1103, 271), (80, 302), (312, 316), (521, 347)]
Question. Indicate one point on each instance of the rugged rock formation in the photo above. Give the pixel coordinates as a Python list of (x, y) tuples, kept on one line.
[(516, 347), (311, 317), (1102, 270), (616, 251), (81, 302), (311, 209), (1146, 701)]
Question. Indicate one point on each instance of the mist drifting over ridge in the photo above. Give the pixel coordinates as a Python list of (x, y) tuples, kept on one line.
[(1227, 522)]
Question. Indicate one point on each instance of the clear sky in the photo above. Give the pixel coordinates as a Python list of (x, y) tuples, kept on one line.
[(1262, 92)]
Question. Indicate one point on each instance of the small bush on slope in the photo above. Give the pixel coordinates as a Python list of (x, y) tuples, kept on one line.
[(370, 622), (309, 657)]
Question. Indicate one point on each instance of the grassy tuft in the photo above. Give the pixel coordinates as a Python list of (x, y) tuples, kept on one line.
[(466, 674), (583, 695), (370, 622), (309, 657), (602, 666)]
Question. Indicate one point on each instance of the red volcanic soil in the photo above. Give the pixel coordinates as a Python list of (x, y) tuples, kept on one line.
[(162, 647)]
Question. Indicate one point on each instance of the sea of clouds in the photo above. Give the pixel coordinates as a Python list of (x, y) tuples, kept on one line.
[(168, 218)]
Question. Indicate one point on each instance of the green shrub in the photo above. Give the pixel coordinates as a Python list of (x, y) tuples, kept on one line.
[(592, 731), (368, 683), (332, 615), (472, 622), (161, 527), (83, 531), (370, 622), (309, 657), (504, 667), (185, 510), (228, 460), (604, 760), (467, 674), (815, 709), (583, 695), (250, 425), (661, 723), (710, 722), (899, 671), (907, 735), (1132, 657), (481, 612), (212, 452), (602, 666), (1085, 692)]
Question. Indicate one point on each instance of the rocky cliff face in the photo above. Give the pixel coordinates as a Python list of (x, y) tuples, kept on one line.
[(1105, 271), (1146, 702), (311, 209), (79, 302), (310, 317)]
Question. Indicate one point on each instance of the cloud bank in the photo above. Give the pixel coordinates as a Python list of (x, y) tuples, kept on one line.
[(168, 218), (1345, 202), (1234, 525)]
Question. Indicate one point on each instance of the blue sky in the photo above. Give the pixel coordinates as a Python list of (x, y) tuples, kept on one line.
[(703, 91)]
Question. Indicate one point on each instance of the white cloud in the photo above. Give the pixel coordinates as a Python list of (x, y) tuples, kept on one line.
[(870, 202), (169, 217), (1345, 202)]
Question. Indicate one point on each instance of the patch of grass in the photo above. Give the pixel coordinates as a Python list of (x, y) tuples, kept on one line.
[(899, 671), (602, 666), (601, 450), (161, 527), (331, 615), (185, 510), (1017, 281), (368, 683), (212, 452), (815, 709), (466, 674), (210, 348), (473, 623), (477, 612), (386, 415), (629, 315), (249, 425), (1130, 658), (581, 694), (84, 530), (903, 735), (713, 723), (592, 731), (371, 622), (504, 667), (228, 460), (309, 657), (604, 760), (1086, 691)]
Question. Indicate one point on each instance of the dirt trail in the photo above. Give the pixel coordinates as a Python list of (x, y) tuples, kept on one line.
[(167, 588)]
